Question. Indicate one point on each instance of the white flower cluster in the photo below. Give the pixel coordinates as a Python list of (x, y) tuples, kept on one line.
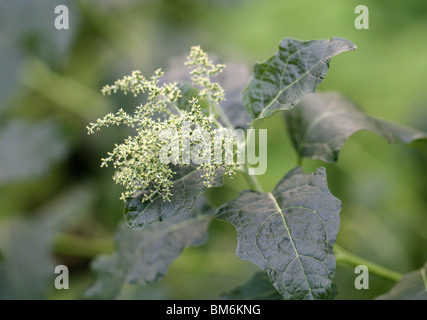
[(136, 160)]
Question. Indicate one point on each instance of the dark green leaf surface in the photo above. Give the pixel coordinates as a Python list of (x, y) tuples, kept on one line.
[(290, 233), (321, 123), (412, 286), (293, 72), (334, 291), (187, 186), (144, 256), (259, 287)]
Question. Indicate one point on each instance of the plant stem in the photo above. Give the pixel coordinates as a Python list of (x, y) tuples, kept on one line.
[(251, 180), (174, 107), (82, 246), (224, 117), (347, 258)]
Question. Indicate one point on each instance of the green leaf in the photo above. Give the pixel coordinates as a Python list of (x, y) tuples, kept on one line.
[(321, 123), (144, 256), (412, 286), (188, 184), (27, 264), (334, 291), (289, 232), (293, 72), (259, 287)]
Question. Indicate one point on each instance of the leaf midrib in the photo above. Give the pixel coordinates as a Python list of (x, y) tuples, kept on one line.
[(290, 237), (268, 106), (282, 89)]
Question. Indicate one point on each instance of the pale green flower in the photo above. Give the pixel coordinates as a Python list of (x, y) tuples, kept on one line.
[(137, 159)]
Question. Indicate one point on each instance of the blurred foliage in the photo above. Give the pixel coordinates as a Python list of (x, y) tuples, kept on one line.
[(50, 85)]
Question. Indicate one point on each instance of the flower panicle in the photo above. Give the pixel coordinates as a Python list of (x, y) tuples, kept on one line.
[(137, 161), (201, 71)]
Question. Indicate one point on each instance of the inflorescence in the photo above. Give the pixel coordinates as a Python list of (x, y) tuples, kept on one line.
[(139, 166)]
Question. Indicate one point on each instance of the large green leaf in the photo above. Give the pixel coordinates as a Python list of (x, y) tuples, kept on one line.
[(290, 233), (144, 256), (293, 72), (27, 264), (321, 123), (412, 286), (188, 184), (259, 287)]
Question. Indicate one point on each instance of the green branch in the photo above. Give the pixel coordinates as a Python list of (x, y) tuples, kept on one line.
[(252, 181), (224, 117), (347, 258)]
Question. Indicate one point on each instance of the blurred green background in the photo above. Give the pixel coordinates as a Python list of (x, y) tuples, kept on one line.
[(57, 206)]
